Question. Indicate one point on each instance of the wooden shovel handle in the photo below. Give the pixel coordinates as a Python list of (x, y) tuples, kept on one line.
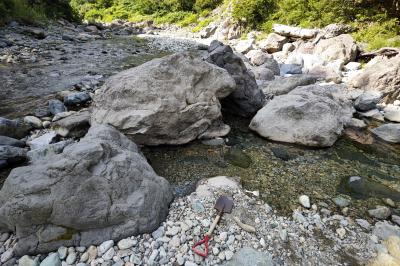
[(245, 227), (214, 224)]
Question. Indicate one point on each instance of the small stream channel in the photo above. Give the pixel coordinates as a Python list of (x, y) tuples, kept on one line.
[(282, 172)]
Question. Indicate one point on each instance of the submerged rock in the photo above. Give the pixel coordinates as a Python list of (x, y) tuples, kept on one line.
[(238, 158), (310, 115), (56, 106), (171, 100), (98, 189), (247, 99), (362, 188)]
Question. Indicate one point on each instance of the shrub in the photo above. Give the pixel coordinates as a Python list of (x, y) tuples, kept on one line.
[(252, 12)]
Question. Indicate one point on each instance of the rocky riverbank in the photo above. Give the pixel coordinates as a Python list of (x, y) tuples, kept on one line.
[(85, 189), (309, 237)]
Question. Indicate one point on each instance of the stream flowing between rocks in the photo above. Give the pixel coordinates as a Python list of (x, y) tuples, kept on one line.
[(280, 172)]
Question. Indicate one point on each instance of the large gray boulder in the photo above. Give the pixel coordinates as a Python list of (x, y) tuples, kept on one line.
[(311, 115), (342, 47), (98, 189), (273, 43), (171, 100), (247, 99), (381, 74)]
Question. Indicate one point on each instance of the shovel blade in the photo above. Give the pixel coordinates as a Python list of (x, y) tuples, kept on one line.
[(224, 204)]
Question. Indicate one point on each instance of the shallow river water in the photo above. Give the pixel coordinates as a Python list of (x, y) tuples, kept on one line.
[(282, 172)]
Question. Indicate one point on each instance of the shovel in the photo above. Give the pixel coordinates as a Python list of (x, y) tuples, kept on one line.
[(223, 205)]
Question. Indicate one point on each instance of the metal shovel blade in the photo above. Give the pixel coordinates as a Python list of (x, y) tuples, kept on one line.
[(224, 205)]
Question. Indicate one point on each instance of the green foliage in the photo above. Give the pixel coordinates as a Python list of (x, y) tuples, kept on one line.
[(252, 12), (33, 11), (206, 4), (379, 35)]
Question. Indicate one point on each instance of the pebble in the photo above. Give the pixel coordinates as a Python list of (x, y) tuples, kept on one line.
[(135, 260), (180, 260), (46, 124), (71, 258), (363, 223), (381, 212), (175, 241), (84, 257), (109, 254), (126, 243), (396, 219), (104, 247), (215, 251), (7, 255), (389, 202), (341, 232), (34, 121), (283, 235), (173, 231), (51, 260), (28, 261), (4, 237), (158, 233), (221, 255), (228, 255), (305, 201), (223, 236), (92, 252), (341, 202), (153, 257)]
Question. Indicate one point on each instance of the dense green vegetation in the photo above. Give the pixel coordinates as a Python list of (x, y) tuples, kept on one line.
[(374, 21), (32, 11)]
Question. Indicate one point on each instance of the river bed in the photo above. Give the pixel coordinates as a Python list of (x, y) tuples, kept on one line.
[(280, 172)]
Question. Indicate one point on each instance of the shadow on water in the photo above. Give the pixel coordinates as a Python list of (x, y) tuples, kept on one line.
[(281, 172)]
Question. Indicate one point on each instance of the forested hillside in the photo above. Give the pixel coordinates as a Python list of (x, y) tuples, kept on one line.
[(373, 21)]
